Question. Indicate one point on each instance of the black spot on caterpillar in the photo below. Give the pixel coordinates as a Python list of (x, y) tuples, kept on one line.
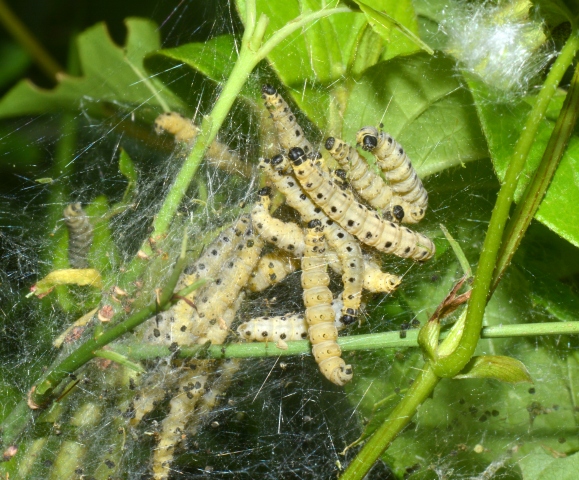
[(80, 234), (398, 170), (289, 133), (319, 313), (356, 218), (368, 184)]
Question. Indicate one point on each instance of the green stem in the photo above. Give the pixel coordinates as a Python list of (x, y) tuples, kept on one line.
[(420, 390), (450, 365), (22, 35), (538, 185), (375, 341)]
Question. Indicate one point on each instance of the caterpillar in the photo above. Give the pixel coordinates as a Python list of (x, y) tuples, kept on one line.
[(185, 131), (176, 324), (319, 313), (356, 218), (289, 133), (80, 235), (288, 327), (286, 236), (272, 268), (348, 250), (398, 170), (368, 184)]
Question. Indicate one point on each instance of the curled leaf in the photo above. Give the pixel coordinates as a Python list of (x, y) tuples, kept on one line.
[(67, 276), (506, 369)]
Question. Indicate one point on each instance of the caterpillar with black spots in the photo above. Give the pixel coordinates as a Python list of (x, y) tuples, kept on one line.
[(346, 247), (319, 313), (80, 235), (368, 184), (289, 327), (397, 169), (289, 132), (286, 236), (356, 218), (271, 269)]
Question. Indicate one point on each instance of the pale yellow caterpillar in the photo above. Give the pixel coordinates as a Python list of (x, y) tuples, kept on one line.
[(397, 168), (272, 268), (356, 218), (175, 326), (319, 313), (286, 236), (289, 133), (368, 184), (347, 248), (289, 327), (185, 131), (80, 234)]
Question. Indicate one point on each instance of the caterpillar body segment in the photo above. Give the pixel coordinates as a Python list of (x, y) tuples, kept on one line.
[(285, 235), (356, 218), (319, 313), (368, 184), (289, 133), (377, 281), (397, 168), (272, 268), (80, 235)]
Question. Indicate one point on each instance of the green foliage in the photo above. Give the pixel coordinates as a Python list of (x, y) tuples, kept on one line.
[(343, 72)]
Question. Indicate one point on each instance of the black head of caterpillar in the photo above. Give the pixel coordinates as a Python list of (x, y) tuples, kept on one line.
[(80, 235)]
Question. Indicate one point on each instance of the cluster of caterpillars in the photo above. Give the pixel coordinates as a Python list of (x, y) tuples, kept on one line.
[(345, 216), (345, 221)]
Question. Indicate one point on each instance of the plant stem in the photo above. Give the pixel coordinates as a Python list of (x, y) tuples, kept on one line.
[(539, 184), (450, 365), (420, 390), (22, 35), (375, 341)]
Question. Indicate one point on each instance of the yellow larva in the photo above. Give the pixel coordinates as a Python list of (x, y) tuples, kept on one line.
[(348, 249), (175, 326), (356, 218), (286, 236), (289, 327), (232, 278), (289, 133), (368, 184), (319, 313), (272, 268), (397, 168), (80, 234), (185, 131)]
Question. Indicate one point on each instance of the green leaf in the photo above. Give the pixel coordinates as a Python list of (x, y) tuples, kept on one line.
[(111, 74), (428, 338), (426, 108), (323, 54), (396, 23), (505, 369), (15, 61), (502, 124), (539, 465)]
